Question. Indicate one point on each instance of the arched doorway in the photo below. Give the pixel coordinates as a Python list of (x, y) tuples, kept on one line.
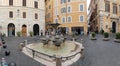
[(24, 30), (114, 27), (36, 29), (11, 29)]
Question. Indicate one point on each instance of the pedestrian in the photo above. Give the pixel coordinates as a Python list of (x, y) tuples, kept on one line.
[(90, 34), (41, 32), (33, 53)]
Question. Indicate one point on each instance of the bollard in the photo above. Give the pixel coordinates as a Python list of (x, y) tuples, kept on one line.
[(20, 46), (81, 41), (25, 42)]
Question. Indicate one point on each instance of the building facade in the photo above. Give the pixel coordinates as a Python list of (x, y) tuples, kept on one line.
[(106, 16), (22, 16), (49, 11), (70, 14)]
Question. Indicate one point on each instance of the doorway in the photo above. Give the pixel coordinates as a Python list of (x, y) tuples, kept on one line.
[(36, 29), (24, 30), (11, 29), (114, 27)]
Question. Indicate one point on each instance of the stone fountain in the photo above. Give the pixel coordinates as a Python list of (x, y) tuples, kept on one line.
[(52, 48)]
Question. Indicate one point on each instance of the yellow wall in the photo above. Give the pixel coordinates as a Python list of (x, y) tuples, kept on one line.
[(47, 4), (75, 13)]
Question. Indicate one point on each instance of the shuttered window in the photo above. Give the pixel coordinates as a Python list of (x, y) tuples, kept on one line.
[(36, 16), (24, 14), (36, 4), (10, 14), (10, 2), (24, 2)]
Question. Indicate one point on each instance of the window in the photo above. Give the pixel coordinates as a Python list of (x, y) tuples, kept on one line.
[(49, 6), (81, 8), (36, 16), (24, 2), (36, 4), (107, 6), (48, 15), (56, 11), (119, 8), (69, 0), (56, 20), (63, 10), (63, 1), (24, 14), (81, 18), (69, 9), (10, 2), (69, 19), (56, 3), (63, 19), (11, 14), (46, 9), (114, 9)]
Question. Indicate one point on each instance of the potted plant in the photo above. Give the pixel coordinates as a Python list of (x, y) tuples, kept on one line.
[(18, 33), (93, 36), (106, 36), (117, 37), (31, 33)]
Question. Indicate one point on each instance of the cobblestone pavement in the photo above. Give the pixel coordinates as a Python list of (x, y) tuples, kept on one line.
[(96, 53), (17, 56), (99, 52)]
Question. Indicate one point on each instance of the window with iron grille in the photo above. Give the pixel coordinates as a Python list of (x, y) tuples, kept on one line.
[(114, 9), (107, 6)]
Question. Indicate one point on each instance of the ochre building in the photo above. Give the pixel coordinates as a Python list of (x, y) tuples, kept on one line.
[(70, 14)]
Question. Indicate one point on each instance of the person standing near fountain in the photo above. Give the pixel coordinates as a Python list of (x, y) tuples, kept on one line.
[(33, 53), (41, 32)]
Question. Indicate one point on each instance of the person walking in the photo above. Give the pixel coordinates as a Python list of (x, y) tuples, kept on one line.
[(33, 53), (41, 32)]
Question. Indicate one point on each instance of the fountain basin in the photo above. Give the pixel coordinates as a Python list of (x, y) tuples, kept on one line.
[(68, 51)]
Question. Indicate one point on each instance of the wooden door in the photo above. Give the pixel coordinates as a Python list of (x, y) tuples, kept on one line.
[(24, 31)]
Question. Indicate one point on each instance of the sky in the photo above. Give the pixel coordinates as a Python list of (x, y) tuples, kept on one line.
[(88, 2)]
